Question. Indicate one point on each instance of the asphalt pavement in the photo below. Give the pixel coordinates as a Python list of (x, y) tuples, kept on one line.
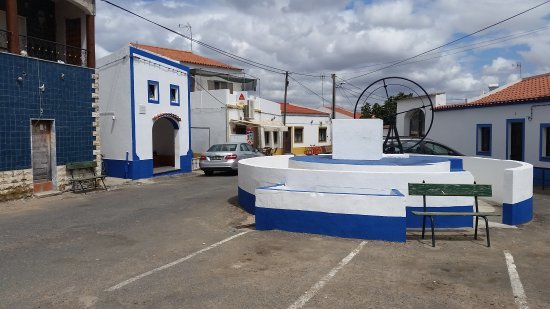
[(182, 242)]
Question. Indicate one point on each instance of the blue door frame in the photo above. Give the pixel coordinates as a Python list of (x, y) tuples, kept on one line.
[(509, 123)]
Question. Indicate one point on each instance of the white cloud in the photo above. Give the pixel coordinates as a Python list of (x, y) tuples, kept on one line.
[(342, 37)]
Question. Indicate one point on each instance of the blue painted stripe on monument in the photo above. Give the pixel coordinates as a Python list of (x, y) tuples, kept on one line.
[(389, 161), (456, 165), (331, 224), (414, 221), (517, 213), (247, 201)]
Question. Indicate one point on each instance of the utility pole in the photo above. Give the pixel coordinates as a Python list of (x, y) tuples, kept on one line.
[(333, 96), (188, 27), (284, 107)]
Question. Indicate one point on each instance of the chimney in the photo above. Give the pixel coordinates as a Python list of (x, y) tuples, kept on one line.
[(493, 87)]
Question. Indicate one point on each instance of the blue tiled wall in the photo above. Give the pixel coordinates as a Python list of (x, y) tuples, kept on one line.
[(67, 100)]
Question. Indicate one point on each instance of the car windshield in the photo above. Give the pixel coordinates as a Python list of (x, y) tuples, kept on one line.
[(222, 147)]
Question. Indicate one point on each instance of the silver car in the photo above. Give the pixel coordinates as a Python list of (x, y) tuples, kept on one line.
[(225, 157)]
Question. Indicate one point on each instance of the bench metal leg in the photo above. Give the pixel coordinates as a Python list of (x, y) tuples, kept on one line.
[(423, 225), (475, 233), (487, 231), (433, 235), (104, 186)]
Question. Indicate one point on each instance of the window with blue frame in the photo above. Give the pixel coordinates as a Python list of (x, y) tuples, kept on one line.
[(544, 152), (174, 95), (483, 139), (153, 91)]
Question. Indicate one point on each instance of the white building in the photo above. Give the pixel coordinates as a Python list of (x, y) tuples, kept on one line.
[(144, 114), (511, 122), (308, 129), (219, 116)]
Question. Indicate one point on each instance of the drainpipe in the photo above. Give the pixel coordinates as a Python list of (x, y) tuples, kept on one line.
[(90, 40), (11, 25)]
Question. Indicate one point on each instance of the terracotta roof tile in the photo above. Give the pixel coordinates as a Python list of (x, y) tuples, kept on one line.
[(347, 112), (529, 89), (300, 110), (184, 56)]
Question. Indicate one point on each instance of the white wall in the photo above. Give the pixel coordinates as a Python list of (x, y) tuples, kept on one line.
[(114, 93), (408, 104), (208, 112), (144, 70), (457, 129), (311, 124)]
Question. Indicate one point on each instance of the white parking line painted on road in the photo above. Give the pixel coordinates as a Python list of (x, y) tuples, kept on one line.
[(183, 259), (319, 285), (517, 287)]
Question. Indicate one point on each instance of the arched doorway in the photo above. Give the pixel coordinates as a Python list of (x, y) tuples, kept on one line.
[(415, 119), (165, 145)]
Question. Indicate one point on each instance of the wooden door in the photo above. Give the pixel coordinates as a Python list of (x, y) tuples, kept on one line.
[(287, 141), (73, 40), (41, 151)]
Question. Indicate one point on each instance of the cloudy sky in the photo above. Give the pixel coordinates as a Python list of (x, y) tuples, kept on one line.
[(348, 38)]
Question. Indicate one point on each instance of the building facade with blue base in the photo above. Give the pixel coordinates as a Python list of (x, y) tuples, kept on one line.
[(145, 128)]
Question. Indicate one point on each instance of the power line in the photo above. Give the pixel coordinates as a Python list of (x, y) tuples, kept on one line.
[(451, 42), (464, 48), (218, 50), (315, 93)]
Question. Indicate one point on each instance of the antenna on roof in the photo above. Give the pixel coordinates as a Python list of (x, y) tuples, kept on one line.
[(518, 65), (188, 27)]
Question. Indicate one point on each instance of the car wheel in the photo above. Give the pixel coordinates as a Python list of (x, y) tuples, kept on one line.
[(208, 173)]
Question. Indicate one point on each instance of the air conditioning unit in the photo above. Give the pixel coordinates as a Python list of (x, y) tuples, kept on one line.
[(249, 109)]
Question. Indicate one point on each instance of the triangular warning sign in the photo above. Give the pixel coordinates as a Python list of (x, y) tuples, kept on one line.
[(241, 97)]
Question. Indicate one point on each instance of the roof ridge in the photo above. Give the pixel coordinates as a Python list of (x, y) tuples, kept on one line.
[(174, 49)]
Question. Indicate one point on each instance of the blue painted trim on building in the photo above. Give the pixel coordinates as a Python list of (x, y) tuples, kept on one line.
[(186, 161), (517, 213), (331, 224), (538, 176), (189, 105), (136, 169), (478, 139), (414, 221), (508, 123), (133, 106), (177, 65), (140, 169), (156, 83), (542, 144), (492, 105), (116, 168), (247, 201), (177, 102)]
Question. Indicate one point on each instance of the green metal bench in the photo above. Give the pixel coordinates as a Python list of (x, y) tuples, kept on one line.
[(475, 190), (89, 177)]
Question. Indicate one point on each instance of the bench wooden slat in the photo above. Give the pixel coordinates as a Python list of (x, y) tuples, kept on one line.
[(435, 213), (81, 165), (449, 189)]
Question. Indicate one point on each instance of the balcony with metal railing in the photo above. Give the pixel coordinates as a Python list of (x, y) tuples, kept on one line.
[(46, 50)]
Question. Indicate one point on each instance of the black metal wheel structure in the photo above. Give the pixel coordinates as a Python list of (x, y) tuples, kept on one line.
[(381, 91)]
